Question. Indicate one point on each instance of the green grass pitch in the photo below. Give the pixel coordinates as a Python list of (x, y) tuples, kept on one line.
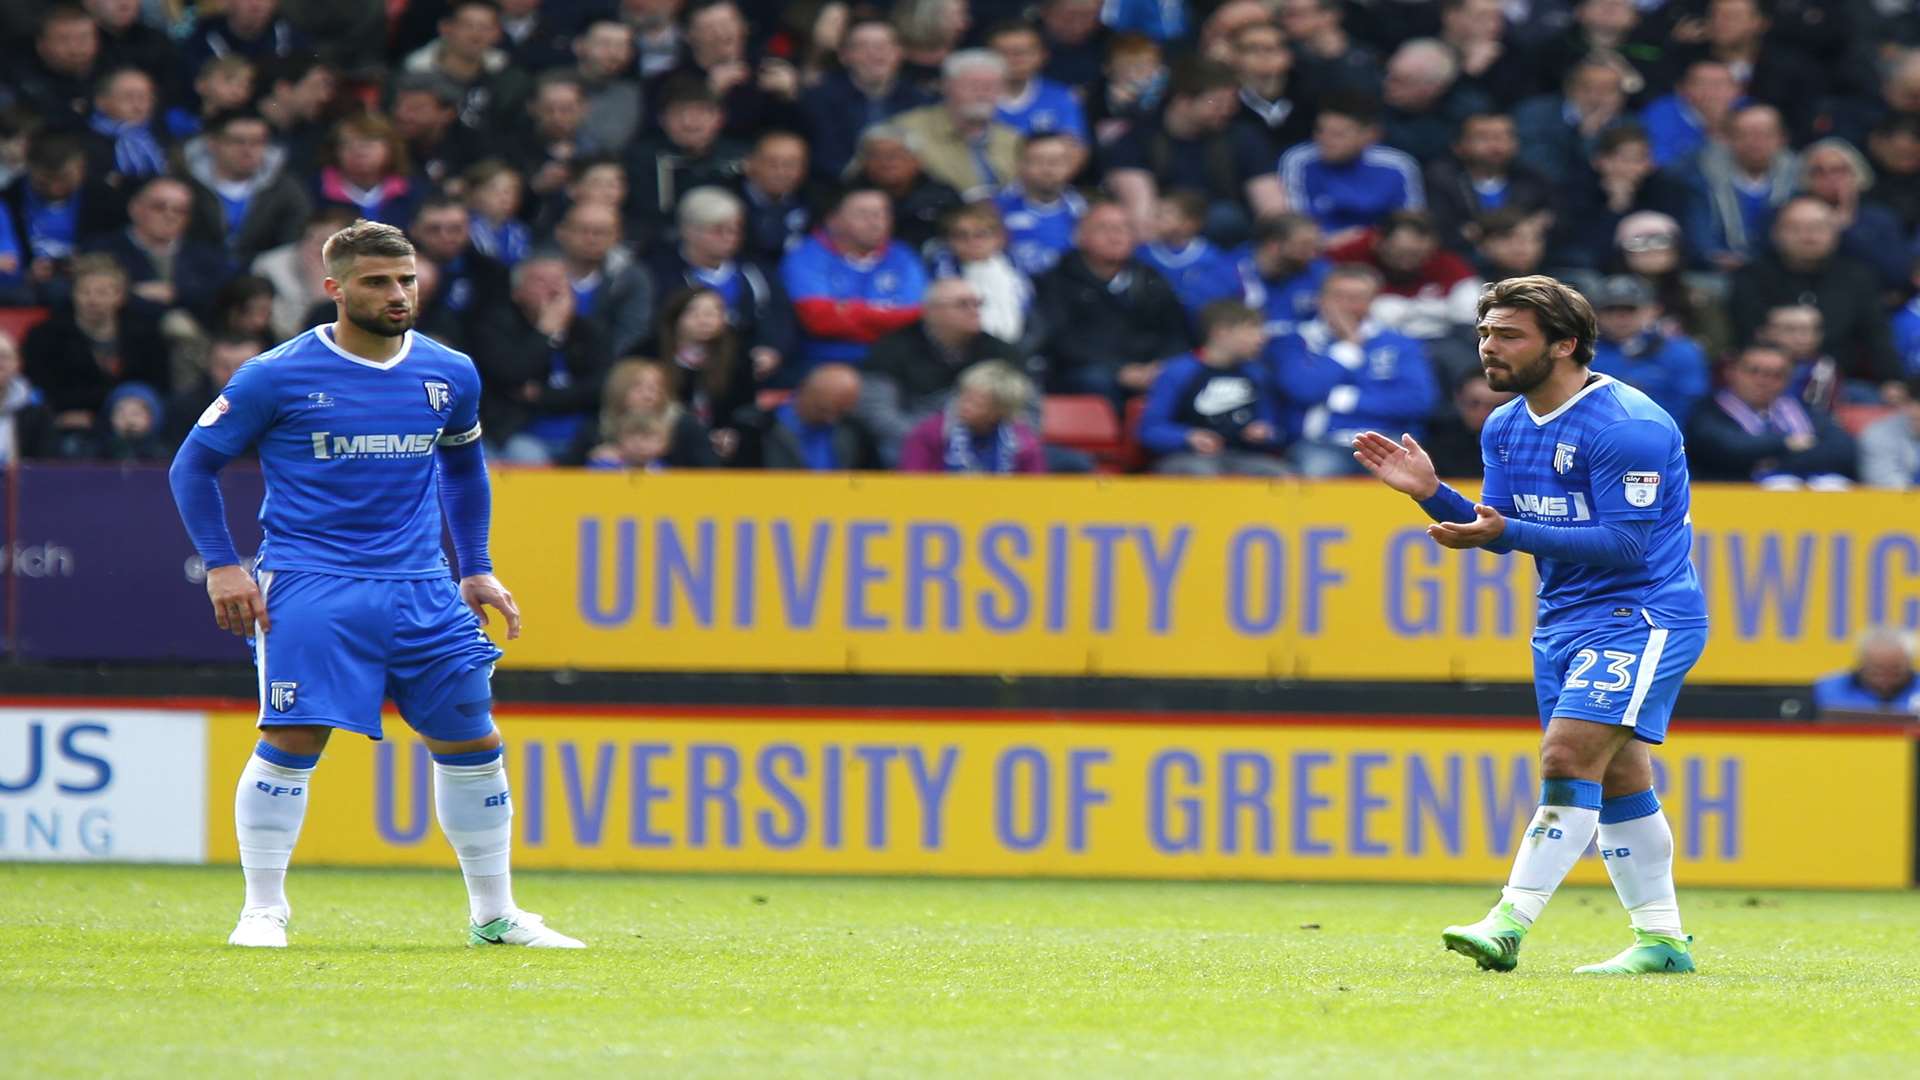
[(123, 971)]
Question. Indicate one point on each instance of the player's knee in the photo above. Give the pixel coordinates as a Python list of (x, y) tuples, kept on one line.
[(307, 740), (1563, 760)]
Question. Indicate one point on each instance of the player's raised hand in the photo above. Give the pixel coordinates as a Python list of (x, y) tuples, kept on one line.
[(1402, 466), (1485, 528), (483, 591), (237, 603)]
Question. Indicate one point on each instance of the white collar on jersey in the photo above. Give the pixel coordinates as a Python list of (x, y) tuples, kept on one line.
[(1542, 421), (406, 346)]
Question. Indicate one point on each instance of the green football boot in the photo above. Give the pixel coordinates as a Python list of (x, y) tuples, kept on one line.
[(1650, 954), (1493, 942)]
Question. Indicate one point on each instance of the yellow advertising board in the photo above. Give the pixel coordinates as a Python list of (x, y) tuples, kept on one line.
[(1105, 796), (1129, 577)]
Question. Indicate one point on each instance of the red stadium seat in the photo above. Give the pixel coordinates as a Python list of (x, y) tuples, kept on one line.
[(1081, 421), (16, 321), (1855, 418), (1134, 458), (771, 399)]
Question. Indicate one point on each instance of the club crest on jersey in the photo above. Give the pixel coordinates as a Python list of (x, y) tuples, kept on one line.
[(439, 395), (1642, 488), (280, 695), (1562, 457)]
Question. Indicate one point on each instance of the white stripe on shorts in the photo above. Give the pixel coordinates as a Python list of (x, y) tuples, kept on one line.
[(1649, 664), (260, 643)]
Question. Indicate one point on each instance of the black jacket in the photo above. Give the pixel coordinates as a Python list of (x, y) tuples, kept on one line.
[(765, 443), (836, 112), (1454, 203), (1858, 332), (275, 216), (760, 313), (1134, 319), (198, 270), (60, 361), (511, 353), (1718, 448)]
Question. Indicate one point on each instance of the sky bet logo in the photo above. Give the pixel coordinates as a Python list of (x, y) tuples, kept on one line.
[(327, 446)]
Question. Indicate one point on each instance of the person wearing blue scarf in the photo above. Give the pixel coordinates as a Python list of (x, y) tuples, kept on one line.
[(123, 119)]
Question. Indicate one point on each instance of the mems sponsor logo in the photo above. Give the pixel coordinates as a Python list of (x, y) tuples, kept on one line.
[(1572, 505), (327, 446)]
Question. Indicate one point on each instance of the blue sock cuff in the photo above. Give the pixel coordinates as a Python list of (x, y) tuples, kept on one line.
[(1629, 807), (473, 757), (1584, 794), (273, 755)]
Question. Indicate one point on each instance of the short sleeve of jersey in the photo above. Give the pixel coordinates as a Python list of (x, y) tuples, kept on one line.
[(463, 422), (1628, 470), (241, 414)]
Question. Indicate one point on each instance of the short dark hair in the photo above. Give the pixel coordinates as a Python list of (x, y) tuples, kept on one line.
[(101, 84), (439, 200), (231, 339), (1225, 315), (687, 90), (363, 237), (1191, 204), (1013, 26), (1039, 138), (219, 124), (51, 150), (1418, 221), (1279, 227), (1563, 314), (1618, 136), (1480, 116), (1198, 78), (1505, 220), (1359, 108)]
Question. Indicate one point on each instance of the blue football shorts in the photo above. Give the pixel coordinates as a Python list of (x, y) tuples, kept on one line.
[(1627, 674), (340, 646)]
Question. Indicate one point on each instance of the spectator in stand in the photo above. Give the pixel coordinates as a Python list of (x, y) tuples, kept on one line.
[(1894, 150), (123, 147), (253, 29), (1623, 181), (1076, 42), (425, 112), (1454, 442), (1832, 171), (493, 92), (1512, 243), (711, 221), (1882, 683), (244, 306), (610, 289), (225, 354), (58, 79), (1681, 123), (644, 388), (25, 425), (980, 431), (298, 91), (1213, 411), (1423, 102), (1040, 211), (1890, 446), (91, 345), (541, 365), (815, 430), (164, 269), (1281, 273), (864, 91), (604, 49), (1906, 329), (1753, 431), (1773, 71), (539, 41), (1344, 373), (959, 141), (1635, 348), (1110, 319), (1736, 186), (1344, 179), (1804, 263), (1200, 273), (712, 375), (930, 30), (1559, 133), (1648, 244), (296, 270), (1607, 27), (366, 168), (222, 86), (127, 40), (53, 208), (753, 95), (1425, 291), (1476, 32), (1187, 148), (912, 373), (239, 204), (1275, 113), (493, 191), (544, 148), (130, 429), (1131, 90), (657, 37), (1031, 103), (1481, 176), (1328, 59), (976, 252), (772, 185), (889, 161), (1798, 331), (470, 282), (688, 152), (851, 283)]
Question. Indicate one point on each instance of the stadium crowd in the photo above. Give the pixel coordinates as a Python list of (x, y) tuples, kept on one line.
[(821, 236)]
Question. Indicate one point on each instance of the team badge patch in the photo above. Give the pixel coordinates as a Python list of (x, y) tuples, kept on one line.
[(1643, 488), (1562, 457), (280, 695), (215, 411), (439, 394)]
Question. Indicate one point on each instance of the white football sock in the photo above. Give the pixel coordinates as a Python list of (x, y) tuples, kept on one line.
[(268, 806), (476, 813), (1554, 841), (1639, 857)]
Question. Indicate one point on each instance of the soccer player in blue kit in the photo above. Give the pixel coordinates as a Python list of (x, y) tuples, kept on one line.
[(366, 432), (1588, 476)]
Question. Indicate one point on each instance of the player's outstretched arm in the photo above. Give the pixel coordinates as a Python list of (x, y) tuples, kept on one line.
[(1402, 466)]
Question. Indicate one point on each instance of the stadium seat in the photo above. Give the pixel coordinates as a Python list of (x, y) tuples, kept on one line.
[(16, 321), (1081, 421), (1133, 457), (1856, 418), (771, 399)]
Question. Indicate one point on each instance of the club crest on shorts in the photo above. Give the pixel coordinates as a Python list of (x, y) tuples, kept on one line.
[(280, 695), (1562, 457), (439, 395)]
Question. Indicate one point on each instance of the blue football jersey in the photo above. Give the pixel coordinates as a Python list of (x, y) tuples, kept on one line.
[(1608, 454), (347, 449)]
